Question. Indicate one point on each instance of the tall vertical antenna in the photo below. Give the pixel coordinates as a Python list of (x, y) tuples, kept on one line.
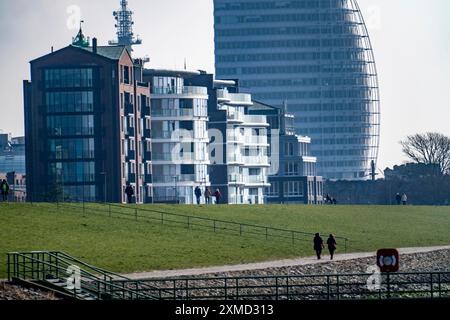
[(124, 26)]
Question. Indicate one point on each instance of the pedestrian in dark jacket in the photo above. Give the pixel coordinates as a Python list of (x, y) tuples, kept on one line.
[(4, 190), (331, 242), (218, 195), (129, 191), (198, 194), (208, 196), (318, 245)]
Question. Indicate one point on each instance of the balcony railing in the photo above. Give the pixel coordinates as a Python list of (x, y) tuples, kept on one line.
[(256, 160), (256, 139), (173, 113), (259, 179), (255, 119), (236, 178), (187, 90), (240, 98), (168, 156), (232, 158), (172, 179)]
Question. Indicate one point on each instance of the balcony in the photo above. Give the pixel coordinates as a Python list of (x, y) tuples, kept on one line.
[(234, 159), (236, 179), (178, 135), (240, 99), (172, 113), (235, 117), (235, 138), (172, 179), (258, 179), (187, 90), (259, 140), (255, 120), (173, 157), (256, 160), (223, 96)]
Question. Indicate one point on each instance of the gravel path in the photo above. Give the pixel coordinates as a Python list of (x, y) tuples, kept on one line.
[(13, 292), (412, 259)]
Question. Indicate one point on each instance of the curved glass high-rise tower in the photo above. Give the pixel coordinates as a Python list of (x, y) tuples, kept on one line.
[(317, 56)]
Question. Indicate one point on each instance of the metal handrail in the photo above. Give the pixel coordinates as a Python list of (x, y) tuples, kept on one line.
[(62, 266), (292, 233)]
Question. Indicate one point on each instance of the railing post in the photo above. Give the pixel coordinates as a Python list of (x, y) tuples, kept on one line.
[(9, 268), (237, 288), (328, 287), (187, 289), (276, 288), (345, 245), (287, 289), (226, 290), (337, 287), (189, 222), (84, 208), (136, 213), (388, 282), (439, 285), (174, 290), (109, 210), (162, 218), (214, 226), (431, 285)]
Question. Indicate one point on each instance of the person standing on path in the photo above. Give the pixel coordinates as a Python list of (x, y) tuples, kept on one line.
[(318, 245), (398, 198), (218, 195), (331, 242), (198, 194), (207, 196), (404, 199), (4, 190), (129, 191)]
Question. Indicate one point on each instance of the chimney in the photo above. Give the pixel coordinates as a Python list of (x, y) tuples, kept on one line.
[(94, 45)]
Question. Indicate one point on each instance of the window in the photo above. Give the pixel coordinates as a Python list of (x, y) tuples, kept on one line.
[(273, 190), (293, 189), (291, 169)]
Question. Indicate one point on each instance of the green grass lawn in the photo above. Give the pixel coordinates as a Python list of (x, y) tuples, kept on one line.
[(124, 245)]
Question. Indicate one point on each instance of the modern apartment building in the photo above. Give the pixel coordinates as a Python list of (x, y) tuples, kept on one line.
[(293, 175), (179, 119), (317, 55), (238, 143), (87, 125)]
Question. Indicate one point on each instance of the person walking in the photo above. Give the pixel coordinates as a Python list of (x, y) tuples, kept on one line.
[(398, 198), (4, 190), (208, 196), (331, 242), (404, 199), (218, 195), (198, 194), (129, 191), (318, 245)]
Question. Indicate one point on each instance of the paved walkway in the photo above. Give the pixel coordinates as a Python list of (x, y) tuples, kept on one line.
[(271, 264)]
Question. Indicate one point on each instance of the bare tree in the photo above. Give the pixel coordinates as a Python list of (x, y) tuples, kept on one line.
[(429, 148)]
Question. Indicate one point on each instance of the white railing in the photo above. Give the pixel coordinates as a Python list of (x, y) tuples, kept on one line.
[(256, 139), (256, 119), (240, 98), (259, 179), (256, 160)]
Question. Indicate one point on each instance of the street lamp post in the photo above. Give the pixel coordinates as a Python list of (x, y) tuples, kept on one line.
[(104, 185), (176, 189)]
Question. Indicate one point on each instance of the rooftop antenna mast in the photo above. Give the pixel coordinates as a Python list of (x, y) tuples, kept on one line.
[(124, 26)]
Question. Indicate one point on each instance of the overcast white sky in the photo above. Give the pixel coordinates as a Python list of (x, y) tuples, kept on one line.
[(411, 40)]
